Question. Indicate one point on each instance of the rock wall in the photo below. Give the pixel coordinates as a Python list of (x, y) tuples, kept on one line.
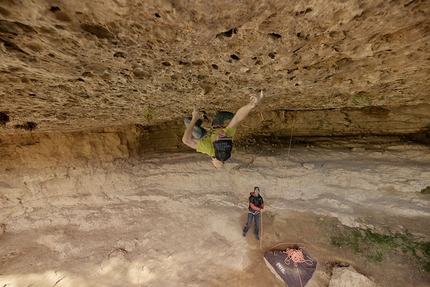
[(76, 65), (39, 150)]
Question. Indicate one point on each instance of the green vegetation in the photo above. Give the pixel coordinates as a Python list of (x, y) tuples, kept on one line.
[(149, 115), (374, 246), (360, 99)]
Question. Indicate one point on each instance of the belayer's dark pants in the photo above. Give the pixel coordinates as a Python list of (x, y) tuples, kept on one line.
[(256, 217)]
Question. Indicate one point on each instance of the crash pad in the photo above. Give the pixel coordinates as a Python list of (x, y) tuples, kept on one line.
[(292, 273)]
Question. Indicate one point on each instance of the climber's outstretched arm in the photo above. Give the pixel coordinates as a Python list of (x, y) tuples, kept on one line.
[(244, 111)]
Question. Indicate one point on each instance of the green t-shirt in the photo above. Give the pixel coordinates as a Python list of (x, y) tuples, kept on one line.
[(206, 145)]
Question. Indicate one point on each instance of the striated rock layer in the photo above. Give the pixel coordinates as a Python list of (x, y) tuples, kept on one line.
[(171, 219)]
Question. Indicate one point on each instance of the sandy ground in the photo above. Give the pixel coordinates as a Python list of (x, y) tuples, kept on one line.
[(172, 220)]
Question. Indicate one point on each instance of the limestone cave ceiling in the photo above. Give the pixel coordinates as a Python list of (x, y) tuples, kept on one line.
[(78, 65)]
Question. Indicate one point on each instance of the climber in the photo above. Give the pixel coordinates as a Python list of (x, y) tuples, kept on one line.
[(217, 142), (256, 205)]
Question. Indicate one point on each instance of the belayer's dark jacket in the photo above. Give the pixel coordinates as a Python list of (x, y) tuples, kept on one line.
[(256, 203)]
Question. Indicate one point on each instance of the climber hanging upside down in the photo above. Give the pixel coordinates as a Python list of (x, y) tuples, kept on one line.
[(217, 142)]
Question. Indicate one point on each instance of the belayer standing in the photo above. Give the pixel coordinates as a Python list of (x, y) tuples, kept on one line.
[(218, 141), (256, 205)]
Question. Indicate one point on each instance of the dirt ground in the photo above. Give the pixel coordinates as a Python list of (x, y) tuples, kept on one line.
[(172, 220)]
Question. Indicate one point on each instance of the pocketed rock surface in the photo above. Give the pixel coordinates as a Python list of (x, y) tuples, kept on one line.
[(353, 67)]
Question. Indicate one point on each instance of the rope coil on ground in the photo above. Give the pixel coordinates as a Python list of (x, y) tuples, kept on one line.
[(296, 256)]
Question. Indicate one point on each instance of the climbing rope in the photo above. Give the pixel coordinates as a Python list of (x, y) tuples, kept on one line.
[(301, 245), (288, 152), (261, 217), (296, 256)]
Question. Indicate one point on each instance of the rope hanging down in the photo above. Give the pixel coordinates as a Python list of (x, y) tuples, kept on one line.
[(261, 221), (293, 254)]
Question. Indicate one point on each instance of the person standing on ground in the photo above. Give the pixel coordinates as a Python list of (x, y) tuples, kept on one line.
[(256, 206), (218, 141)]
